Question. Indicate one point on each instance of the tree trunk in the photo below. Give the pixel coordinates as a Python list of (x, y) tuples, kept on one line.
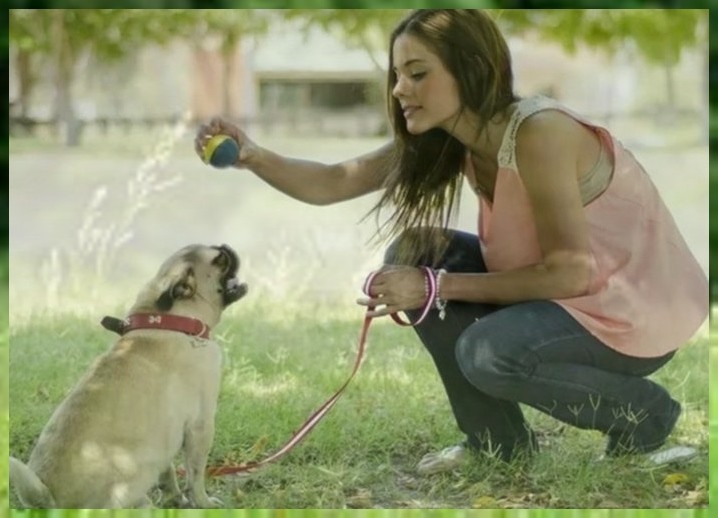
[(228, 52), (65, 118), (227, 69), (670, 87), (705, 96), (26, 79)]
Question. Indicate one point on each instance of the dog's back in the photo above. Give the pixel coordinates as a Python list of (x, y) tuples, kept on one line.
[(122, 424)]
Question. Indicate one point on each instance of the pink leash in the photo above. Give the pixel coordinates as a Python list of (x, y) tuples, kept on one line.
[(431, 284)]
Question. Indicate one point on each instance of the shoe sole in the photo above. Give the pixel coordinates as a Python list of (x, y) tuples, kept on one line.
[(672, 455), (445, 460)]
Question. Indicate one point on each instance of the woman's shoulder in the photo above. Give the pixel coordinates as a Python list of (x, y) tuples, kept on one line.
[(547, 107), (547, 122), (536, 120), (542, 108)]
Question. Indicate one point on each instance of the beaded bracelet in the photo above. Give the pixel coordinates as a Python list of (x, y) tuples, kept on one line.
[(439, 303)]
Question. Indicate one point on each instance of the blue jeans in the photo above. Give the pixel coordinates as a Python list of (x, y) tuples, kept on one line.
[(491, 358)]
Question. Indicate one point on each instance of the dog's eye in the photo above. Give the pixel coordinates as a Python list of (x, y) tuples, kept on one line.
[(222, 261)]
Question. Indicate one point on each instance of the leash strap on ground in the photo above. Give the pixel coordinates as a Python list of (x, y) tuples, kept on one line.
[(308, 424), (318, 414)]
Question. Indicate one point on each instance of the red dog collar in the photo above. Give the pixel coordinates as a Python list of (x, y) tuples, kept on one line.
[(189, 326)]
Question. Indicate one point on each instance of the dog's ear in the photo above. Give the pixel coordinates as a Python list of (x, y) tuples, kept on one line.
[(182, 287)]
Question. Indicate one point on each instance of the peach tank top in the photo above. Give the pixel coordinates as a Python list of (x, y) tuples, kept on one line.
[(647, 293)]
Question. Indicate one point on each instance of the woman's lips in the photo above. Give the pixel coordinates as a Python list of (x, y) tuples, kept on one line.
[(409, 111)]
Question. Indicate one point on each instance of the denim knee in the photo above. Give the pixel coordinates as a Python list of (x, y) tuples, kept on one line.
[(392, 255), (483, 365)]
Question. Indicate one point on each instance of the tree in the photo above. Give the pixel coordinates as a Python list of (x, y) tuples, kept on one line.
[(658, 35), (367, 29), (26, 29), (230, 26), (61, 37)]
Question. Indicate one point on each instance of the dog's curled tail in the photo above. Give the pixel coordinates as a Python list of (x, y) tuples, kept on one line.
[(28, 486)]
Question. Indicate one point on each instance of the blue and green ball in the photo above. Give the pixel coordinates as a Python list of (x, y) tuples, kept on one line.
[(221, 151)]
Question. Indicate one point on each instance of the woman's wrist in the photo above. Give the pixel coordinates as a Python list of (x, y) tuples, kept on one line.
[(256, 159)]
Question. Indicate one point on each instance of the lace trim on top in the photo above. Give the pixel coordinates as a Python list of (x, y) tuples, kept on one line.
[(591, 184)]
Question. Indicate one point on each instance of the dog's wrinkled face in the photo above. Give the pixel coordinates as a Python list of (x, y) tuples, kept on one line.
[(200, 273)]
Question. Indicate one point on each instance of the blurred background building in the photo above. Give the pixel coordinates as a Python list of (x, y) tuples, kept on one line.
[(307, 79), (94, 174)]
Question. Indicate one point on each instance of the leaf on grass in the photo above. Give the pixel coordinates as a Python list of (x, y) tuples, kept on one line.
[(485, 502), (327, 471), (258, 447), (608, 504), (696, 498), (417, 504), (407, 481), (362, 499), (675, 479)]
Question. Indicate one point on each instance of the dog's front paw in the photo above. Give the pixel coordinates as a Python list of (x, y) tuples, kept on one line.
[(176, 502), (208, 502)]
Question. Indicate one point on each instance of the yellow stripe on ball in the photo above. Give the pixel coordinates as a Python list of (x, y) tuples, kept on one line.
[(212, 145)]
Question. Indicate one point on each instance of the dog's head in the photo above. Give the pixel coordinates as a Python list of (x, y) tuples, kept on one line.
[(198, 281)]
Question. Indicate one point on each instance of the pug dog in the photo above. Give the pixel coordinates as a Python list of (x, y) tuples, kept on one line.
[(151, 395)]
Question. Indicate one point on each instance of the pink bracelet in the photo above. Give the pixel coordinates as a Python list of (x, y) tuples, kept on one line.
[(430, 290)]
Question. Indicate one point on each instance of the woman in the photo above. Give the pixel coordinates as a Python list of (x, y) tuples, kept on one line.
[(578, 284)]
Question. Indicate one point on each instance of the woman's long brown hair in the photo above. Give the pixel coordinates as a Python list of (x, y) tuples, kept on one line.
[(424, 182)]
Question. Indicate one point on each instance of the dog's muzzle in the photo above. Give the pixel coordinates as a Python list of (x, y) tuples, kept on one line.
[(232, 290)]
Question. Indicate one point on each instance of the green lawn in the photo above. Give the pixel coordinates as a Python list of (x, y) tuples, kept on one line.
[(282, 361)]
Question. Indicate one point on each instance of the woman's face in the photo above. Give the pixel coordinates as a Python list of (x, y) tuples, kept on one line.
[(426, 91)]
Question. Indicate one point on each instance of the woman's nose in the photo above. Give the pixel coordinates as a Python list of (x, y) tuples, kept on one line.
[(399, 88)]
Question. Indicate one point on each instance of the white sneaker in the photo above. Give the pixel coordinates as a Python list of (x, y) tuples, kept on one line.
[(674, 454), (445, 460), (671, 455)]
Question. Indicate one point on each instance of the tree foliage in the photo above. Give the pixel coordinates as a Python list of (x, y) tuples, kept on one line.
[(659, 35), (367, 29), (56, 39)]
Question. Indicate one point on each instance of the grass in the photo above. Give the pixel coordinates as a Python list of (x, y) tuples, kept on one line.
[(283, 360), (4, 348)]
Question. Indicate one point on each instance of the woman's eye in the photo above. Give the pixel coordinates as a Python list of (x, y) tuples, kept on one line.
[(418, 75)]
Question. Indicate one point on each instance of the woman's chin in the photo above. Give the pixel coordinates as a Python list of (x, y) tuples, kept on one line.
[(415, 129)]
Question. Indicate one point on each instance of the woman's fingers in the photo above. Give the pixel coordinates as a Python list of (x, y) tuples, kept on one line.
[(216, 126), (204, 133), (377, 307)]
